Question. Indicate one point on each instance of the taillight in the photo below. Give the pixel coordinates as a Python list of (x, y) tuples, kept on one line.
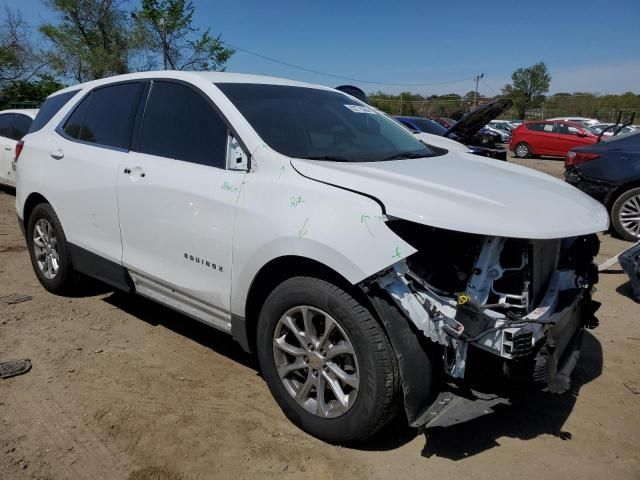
[(575, 158), (19, 147)]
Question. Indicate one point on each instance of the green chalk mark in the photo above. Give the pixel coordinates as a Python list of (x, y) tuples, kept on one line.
[(228, 187), (296, 201), (363, 219), (302, 231)]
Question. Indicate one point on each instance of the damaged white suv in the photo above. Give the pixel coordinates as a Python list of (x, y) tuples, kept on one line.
[(366, 269)]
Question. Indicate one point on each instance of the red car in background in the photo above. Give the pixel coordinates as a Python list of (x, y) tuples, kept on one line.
[(552, 138)]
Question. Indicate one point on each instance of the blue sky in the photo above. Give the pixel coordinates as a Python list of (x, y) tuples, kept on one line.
[(588, 45)]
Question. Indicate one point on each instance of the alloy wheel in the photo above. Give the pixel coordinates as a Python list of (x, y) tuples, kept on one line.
[(630, 215), (316, 361), (522, 151), (45, 247)]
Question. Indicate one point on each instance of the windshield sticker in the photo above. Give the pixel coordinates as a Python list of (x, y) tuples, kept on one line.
[(360, 108)]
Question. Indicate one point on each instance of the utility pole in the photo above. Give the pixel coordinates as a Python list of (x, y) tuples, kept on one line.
[(475, 97)]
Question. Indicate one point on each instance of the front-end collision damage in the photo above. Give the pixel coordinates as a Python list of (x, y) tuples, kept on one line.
[(523, 303)]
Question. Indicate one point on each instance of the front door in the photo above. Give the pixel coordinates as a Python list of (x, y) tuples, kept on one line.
[(177, 204)]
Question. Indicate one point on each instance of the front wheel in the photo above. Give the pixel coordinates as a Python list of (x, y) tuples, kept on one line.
[(625, 215), (327, 361), (522, 150)]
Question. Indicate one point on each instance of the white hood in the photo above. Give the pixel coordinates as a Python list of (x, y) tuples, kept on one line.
[(467, 193)]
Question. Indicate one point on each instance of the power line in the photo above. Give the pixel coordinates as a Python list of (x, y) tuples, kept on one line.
[(489, 87), (317, 72)]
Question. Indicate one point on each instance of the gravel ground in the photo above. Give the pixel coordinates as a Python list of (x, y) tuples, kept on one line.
[(124, 389)]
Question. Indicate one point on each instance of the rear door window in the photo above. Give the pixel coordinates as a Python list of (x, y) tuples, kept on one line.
[(105, 117), (536, 127), (49, 108), (180, 123)]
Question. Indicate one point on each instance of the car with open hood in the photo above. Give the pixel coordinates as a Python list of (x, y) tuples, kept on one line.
[(470, 130), (368, 271), (431, 132)]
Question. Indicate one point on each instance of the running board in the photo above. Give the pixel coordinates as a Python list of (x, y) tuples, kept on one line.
[(181, 302)]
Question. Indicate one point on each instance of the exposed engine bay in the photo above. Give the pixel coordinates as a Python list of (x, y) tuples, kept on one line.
[(524, 302)]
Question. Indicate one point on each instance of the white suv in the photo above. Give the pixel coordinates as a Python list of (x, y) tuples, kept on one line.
[(367, 269)]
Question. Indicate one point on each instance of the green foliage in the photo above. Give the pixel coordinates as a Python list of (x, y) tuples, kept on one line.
[(580, 104), (28, 91), (528, 88), (415, 105), (92, 40), (164, 27)]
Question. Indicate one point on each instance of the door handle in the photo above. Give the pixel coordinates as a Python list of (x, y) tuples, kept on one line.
[(57, 154), (135, 173)]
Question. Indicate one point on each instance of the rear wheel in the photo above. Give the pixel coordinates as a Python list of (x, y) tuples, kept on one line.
[(522, 150), (625, 215), (49, 250), (326, 360)]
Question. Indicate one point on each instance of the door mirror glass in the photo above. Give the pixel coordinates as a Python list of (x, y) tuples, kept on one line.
[(237, 158), (581, 133)]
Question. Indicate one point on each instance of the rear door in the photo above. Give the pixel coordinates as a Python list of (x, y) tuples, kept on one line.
[(93, 140), (7, 145), (177, 204)]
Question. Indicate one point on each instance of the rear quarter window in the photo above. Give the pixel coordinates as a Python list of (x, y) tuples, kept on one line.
[(6, 119), (21, 125), (49, 108)]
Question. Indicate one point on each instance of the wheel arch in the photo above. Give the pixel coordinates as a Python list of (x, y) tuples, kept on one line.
[(30, 203), (616, 192), (273, 273)]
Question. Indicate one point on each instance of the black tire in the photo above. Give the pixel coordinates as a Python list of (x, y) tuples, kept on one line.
[(522, 150), (378, 395), (616, 209), (64, 281)]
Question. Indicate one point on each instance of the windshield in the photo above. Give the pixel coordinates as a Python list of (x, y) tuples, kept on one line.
[(319, 124)]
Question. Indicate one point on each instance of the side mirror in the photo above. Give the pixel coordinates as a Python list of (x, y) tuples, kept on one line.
[(237, 158), (581, 133)]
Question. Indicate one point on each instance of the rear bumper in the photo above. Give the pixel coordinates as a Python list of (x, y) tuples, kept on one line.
[(597, 190)]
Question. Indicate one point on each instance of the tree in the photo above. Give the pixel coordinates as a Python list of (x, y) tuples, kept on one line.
[(528, 88), (28, 91), (19, 59), (92, 40), (165, 27)]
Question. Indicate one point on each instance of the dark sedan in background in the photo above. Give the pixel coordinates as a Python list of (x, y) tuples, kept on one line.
[(609, 171)]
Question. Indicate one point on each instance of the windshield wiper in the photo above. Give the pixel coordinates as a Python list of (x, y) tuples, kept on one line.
[(332, 158), (401, 155)]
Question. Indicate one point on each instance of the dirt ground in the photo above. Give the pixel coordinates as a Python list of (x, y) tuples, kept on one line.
[(124, 389)]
